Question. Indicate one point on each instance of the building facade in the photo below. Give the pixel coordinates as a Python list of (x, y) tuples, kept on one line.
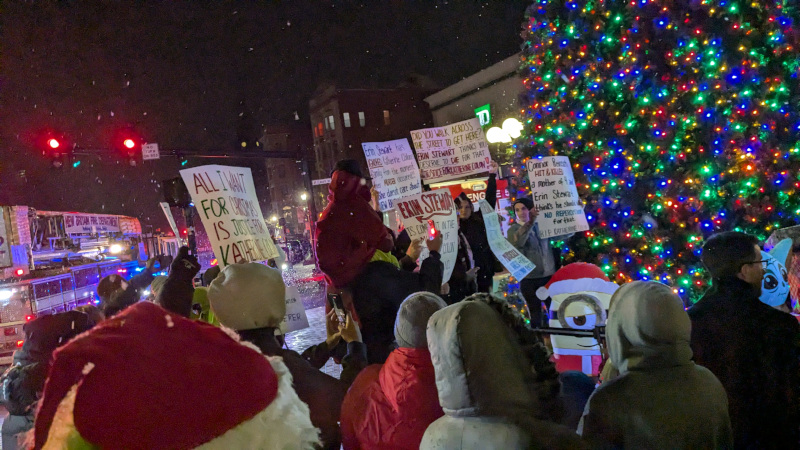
[(341, 119)]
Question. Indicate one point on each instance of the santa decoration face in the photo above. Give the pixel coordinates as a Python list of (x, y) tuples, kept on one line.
[(580, 298)]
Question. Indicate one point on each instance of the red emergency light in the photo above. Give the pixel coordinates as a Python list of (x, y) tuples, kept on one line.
[(19, 344), (29, 317), (20, 272)]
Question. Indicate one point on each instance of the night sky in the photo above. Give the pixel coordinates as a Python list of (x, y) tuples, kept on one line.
[(191, 75)]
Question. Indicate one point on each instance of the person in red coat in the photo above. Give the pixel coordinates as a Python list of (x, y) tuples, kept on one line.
[(349, 232), (390, 406)]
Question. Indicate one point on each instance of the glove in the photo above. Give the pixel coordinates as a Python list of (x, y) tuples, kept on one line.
[(185, 266)]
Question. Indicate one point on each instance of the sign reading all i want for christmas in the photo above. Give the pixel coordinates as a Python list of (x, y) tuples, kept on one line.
[(555, 196)]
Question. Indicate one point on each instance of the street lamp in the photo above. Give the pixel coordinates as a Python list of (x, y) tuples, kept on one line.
[(274, 218), (303, 196)]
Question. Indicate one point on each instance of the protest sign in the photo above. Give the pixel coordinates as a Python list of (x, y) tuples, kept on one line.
[(555, 196), (296, 318), (393, 169), (451, 151), (225, 199), (509, 257), (436, 205)]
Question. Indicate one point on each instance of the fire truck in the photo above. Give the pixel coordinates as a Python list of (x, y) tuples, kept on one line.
[(51, 262)]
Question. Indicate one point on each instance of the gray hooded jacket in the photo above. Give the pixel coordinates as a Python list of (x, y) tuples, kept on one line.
[(661, 399)]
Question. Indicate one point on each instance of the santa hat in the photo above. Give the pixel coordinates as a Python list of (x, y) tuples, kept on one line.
[(248, 296), (149, 379), (577, 277)]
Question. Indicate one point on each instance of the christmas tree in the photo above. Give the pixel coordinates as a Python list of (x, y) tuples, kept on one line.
[(509, 287), (680, 118)]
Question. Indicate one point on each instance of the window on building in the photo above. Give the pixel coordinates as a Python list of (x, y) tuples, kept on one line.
[(332, 124), (347, 120), (386, 117), (326, 123), (319, 129), (361, 119)]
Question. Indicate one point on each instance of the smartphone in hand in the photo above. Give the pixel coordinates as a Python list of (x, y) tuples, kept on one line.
[(338, 306)]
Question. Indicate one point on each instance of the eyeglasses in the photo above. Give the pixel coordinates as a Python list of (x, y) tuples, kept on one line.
[(763, 263)]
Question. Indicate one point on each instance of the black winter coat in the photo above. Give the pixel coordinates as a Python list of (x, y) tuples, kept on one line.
[(753, 350), (474, 229)]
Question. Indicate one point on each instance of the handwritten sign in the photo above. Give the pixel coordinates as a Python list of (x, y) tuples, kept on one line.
[(295, 318), (436, 205), (394, 170), (225, 198), (555, 196), (77, 223), (509, 257), (452, 151)]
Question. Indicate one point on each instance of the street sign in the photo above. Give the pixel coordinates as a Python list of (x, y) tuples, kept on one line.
[(321, 181), (150, 151)]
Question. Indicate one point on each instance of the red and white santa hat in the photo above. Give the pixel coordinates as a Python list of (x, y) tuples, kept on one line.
[(149, 379), (577, 277)]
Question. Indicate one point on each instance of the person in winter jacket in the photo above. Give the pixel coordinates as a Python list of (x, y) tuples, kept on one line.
[(350, 231), (751, 347), (464, 279), (474, 229), (117, 294), (389, 406), (149, 378), (492, 389), (250, 298), (23, 382), (374, 297), (661, 399)]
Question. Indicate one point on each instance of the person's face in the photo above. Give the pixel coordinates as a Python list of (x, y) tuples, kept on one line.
[(753, 272), (465, 210), (523, 214)]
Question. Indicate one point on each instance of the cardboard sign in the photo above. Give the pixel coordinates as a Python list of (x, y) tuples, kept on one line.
[(296, 318), (393, 169), (509, 257), (225, 198), (77, 223), (436, 205), (452, 151), (170, 218), (555, 196), (150, 152)]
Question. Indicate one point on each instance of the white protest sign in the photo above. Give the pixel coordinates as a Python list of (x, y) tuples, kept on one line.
[(150, 151), (436, 205), (296, 318), (393, 169), (451, 151), (556, 197), (225, 198), (510, 257), (170, 218)]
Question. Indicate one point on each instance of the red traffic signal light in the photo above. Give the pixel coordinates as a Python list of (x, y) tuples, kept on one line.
[(53, 143), (129, 143)]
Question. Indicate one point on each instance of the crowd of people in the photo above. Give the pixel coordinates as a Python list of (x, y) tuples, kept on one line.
[(425, 364)]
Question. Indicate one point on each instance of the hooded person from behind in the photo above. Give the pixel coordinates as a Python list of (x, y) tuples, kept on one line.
[(487, 385), (390, 406), (661, 399), (250, 298)]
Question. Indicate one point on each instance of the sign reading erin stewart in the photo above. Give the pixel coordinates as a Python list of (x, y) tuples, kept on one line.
[(393, 169), (436, 205), (451, 151), (225, 198), (555, 196), (77, 223)]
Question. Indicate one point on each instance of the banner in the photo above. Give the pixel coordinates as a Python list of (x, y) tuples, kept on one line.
[(555, 196), (295, 318), (225, 198), (77, 223), (452, 151), (170, 218), (507, 254), (393, 169), (436, 205)]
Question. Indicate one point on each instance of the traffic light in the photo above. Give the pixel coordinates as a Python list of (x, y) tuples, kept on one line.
[(55, 146), (129, 143)]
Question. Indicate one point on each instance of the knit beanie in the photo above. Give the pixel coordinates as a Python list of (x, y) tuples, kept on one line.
[(528, 203), (412, 319), (248, 296), (158, 284)]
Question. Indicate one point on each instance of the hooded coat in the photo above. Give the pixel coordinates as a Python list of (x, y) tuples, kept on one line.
[(753, 349), (474, 229), (349, 231), (661, 399), (484, 385)]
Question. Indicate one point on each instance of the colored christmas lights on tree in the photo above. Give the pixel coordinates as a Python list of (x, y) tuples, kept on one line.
[(681, 119), (509, 287)]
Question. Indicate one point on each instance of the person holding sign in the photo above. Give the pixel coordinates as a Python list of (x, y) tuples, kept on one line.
[(524, 235), (472, 226)]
